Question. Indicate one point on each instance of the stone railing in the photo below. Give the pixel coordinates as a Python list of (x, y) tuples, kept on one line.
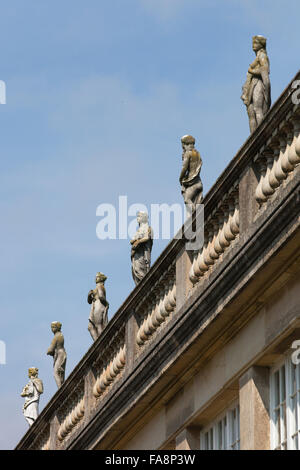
[(278, 160), (157, 312), (111, 371), (220, 230), (73, 418), (71, 413), (157, 307)]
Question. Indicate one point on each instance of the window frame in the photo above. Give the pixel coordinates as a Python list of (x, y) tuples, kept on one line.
[(289, 419), (223, 422)]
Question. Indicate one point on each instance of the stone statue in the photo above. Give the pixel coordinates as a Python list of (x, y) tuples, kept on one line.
[(257, 89), (99, 307), (32, 392), (58, 352), (141, 246), (191, 184)]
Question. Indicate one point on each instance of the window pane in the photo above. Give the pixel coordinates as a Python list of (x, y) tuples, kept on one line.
[(277, 427), (276, 391), (285, 413), (224, 434), (206, 440), (220, 435), (282, 384)]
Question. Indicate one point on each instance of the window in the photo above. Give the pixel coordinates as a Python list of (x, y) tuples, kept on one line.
[(224, 433), (285, 406)]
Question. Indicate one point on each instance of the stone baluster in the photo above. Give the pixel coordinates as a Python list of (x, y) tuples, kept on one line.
[(216, 223), (194, 273), (294, 150), (201, 266), (280, 174), (296, 124), (208, 260), (235, 219), (149, 328), (228, 216), (169, 303), (173, 295), (159, 313), (275, 146), (229, 235), (214, 255), (224, 218), (286, 165), (262, 166), (157, 318), (266, 187), (141, 336)]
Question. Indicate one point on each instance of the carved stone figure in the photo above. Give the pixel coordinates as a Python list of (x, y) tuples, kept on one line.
[(257, 89), (32, 392), (59, 354), (191, 184), (141, 246), (99, 307)]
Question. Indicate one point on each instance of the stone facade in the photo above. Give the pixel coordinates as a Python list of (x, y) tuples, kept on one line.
[(190, 359)]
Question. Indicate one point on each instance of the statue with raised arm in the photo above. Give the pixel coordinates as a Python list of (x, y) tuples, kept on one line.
[(141, 246), (31, 392), (191, 184), (99, 307), (59, 354), (257, 89)]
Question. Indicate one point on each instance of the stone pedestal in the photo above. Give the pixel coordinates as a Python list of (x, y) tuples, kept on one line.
[(89, 399), (188, 439), (54, 426), (254, 409), (183, 283), (130, 340), (247, 202)]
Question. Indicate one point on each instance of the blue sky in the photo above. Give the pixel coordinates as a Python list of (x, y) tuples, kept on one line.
[(98, 96)]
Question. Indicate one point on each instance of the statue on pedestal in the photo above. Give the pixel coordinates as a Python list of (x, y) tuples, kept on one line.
[(99, 307), (141, 246), (59, 354), (257, 89), (32, 392), (191, 184)]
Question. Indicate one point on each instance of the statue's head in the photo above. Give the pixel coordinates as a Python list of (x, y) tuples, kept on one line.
[(55, 326), (258, 42), (188, 142), (142, 217), (33, 372), (100, 277)]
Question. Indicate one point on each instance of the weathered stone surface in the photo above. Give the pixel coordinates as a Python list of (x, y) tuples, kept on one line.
[(188, 439), (254, 409)]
